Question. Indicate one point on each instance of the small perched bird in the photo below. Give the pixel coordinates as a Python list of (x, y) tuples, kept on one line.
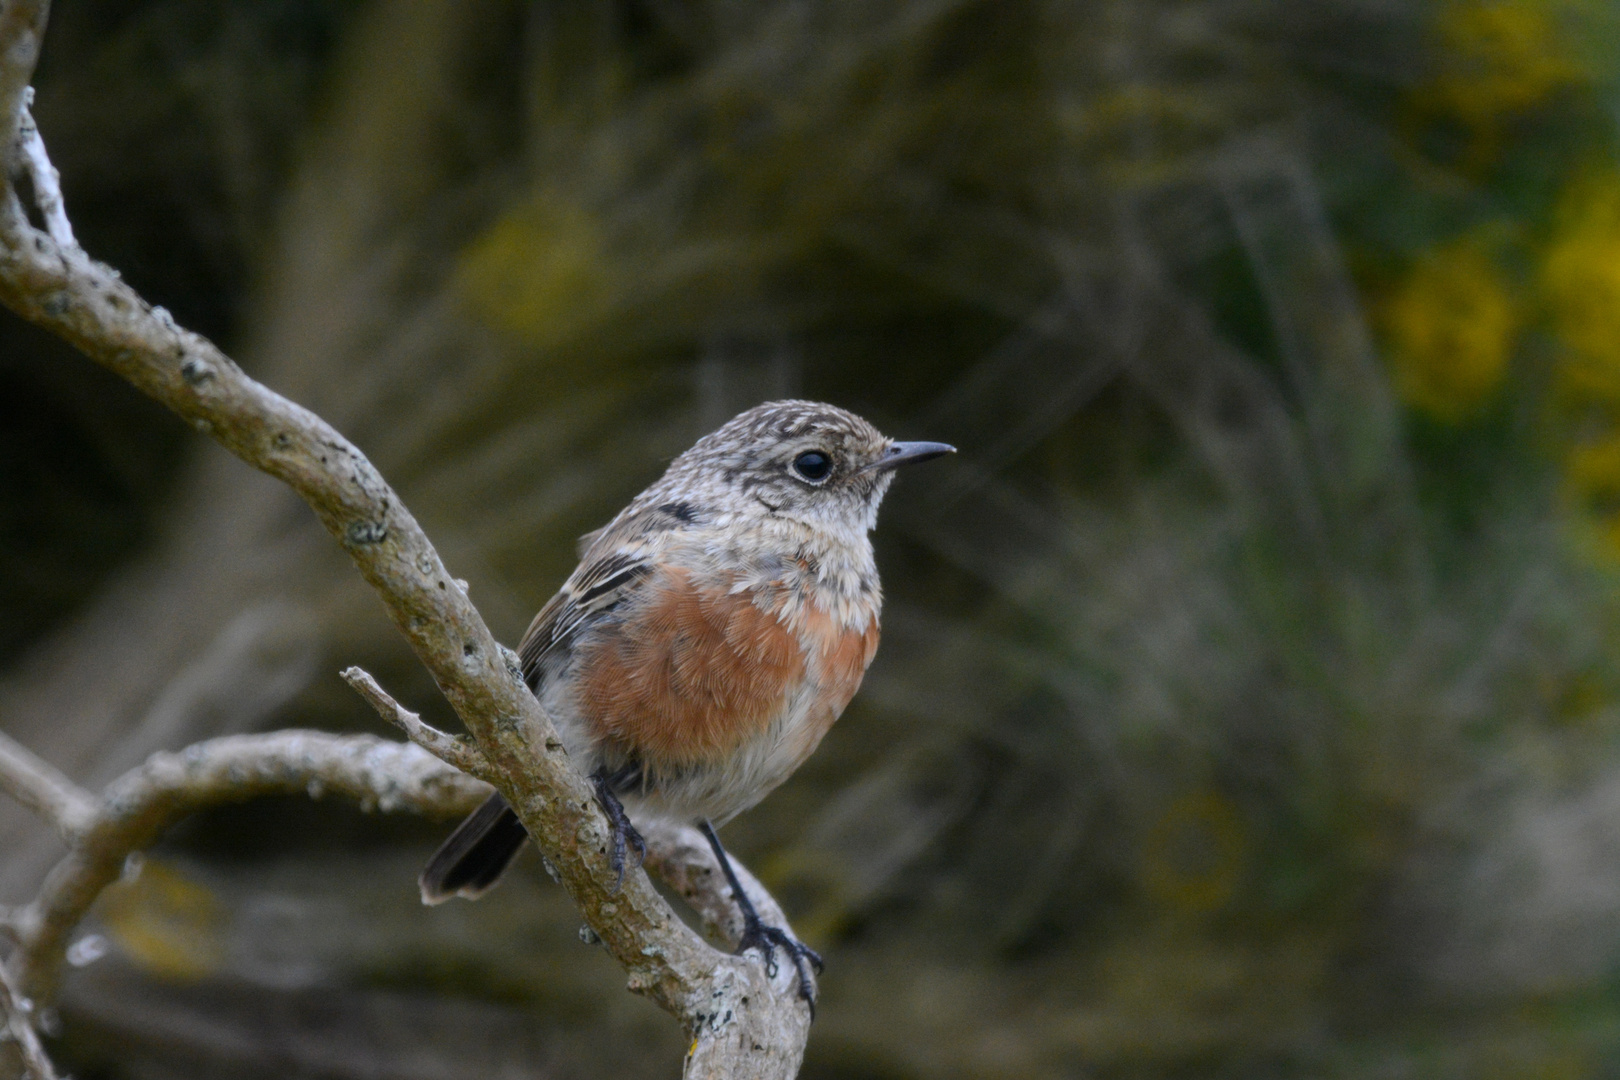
[(710, 636)]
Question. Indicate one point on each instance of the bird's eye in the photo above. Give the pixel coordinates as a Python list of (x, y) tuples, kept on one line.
[(813, 466)]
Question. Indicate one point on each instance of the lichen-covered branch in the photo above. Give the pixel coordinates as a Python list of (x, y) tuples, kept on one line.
[(40, 787), (681, 858), (16, 1024), (379, 774), (741, 1024), (22, 29), (42, 174), (138, 806), (445, 747)]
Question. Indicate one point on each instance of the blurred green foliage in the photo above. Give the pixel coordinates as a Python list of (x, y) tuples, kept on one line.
[(1248, 701)]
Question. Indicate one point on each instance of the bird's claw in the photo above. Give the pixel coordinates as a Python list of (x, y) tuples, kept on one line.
[(767, 939), (625, 834)]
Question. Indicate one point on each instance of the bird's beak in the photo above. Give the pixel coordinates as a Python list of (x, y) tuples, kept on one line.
[(906, 453)]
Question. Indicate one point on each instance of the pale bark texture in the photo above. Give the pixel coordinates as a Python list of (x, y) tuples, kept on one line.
[(741, 1022)]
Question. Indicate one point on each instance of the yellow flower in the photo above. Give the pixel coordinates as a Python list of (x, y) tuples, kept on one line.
[(1592, 476), (1497, 59), (1580, 277), (1580, 281), (1451, 326), (1502, 57)]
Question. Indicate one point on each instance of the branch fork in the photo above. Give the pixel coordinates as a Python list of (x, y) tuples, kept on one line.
[(459, 753), (743, 1023)]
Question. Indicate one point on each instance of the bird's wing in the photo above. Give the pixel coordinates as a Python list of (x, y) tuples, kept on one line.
[(616, 562)]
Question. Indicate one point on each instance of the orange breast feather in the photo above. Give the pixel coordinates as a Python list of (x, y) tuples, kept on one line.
[(843, 657), (690, 675)]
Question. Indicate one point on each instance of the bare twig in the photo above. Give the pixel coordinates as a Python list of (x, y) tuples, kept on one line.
[(22, 28), (445, 747), (86, 303), (138, 806), (16, 1014), (741, 1024), (385, 775), (40, 787), (43, 175)]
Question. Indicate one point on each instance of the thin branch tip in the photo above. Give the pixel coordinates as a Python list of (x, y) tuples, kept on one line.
[(40, 787), (745, 1024), (380, 773), (17, 1026), (442, 745), (42, 174)]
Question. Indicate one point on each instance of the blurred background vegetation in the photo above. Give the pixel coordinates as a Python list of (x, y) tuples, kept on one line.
[(1249, 702)]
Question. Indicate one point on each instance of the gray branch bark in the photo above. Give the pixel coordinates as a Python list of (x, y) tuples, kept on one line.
[(44, 790), (16, 1028), (742, 1022), (446, 748), (138, 806)]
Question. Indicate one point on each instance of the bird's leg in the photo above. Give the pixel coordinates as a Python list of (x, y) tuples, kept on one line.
[(766, 938), (624, 833)]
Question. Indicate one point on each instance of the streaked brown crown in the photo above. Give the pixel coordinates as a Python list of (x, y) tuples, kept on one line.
[(747, 467)]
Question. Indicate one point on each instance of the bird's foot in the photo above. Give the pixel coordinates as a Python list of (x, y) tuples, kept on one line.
[(767, 939), (624, 832)]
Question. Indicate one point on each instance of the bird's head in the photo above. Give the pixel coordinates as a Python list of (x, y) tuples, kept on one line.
[(802, 460)]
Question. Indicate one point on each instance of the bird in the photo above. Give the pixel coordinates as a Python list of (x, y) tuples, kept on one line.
[(712, 633)]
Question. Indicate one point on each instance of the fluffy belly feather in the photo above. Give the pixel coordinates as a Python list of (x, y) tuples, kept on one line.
[(713, 701), (721, 789)]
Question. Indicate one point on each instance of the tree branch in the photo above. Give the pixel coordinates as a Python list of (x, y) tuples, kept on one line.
[(22, 29), (16, 1012), (42, 174), (39, 786), (138, 806), (681, 858), (445, 747), (740, 1023)]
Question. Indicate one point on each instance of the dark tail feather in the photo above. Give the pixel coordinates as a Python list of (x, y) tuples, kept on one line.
[(476, 854)]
